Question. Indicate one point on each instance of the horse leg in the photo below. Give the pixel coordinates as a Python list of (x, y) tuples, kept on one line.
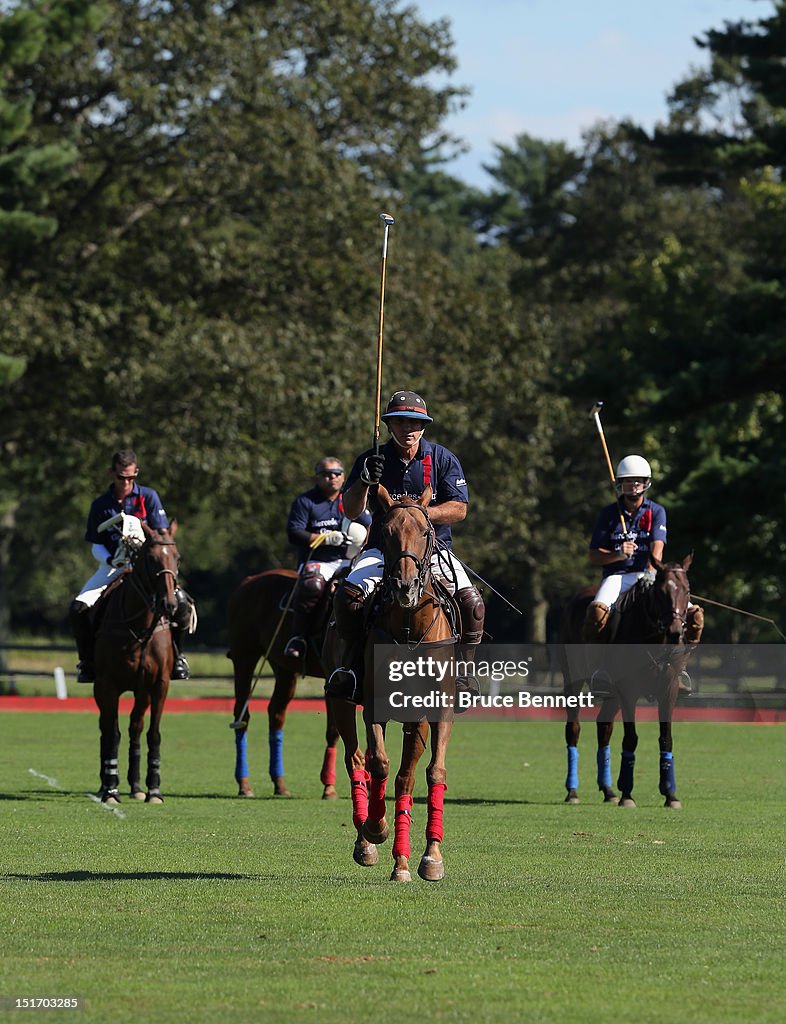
[(328, 774), (375, 827), (414, 743), (135, 749), (344, 715), (630, 741), (243, 670), (283, 692), (668, 783), (572, 733), (432, 867), (153, 778), (605, 727), (110, 741)]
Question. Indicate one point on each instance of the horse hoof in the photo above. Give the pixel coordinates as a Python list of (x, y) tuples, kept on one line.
[(365, 854), (627, 801), (400, 875), (674, 804), (110, 797), (244, 788), (280, 787), (572, 797), (609, 796), (329, 793), (430, 869), (137, 794), (376, 832), (154, 797)]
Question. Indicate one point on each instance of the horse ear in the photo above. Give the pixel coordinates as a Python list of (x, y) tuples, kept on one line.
[(173, 528), (687, 561), (146, 530), (658, 564), (425, 499), (383, 498)]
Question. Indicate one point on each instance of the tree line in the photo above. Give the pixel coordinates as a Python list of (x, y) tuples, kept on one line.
[(189, 265)]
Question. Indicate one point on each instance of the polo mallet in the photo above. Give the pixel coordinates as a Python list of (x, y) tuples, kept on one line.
[(387, 220), (595, 413), (239, 723)]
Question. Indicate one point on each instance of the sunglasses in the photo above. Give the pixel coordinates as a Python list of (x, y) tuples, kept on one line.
[(121, 477), (331, 472)]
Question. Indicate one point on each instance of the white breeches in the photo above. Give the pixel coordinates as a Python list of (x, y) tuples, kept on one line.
[(613, 587), (97, 584), (368, 568), (327, 570)]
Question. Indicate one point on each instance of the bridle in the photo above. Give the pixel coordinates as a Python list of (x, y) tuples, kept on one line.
[(660, 623), (422, 563), (153, 598)]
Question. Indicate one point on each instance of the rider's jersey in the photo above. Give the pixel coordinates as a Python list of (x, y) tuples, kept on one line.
[(142, 502), (433, 464), (312, 512), (647, 524)]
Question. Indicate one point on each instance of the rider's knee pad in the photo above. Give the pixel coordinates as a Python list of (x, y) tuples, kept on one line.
[(310, 589), (694, 625), (348, 609), (473, 615), (595, 620), (184, 615)]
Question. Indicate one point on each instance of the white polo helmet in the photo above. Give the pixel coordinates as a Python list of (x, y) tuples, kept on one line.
[(633, 466)]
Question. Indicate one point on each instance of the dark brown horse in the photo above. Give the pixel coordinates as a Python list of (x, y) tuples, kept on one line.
[(413, 613), (134, 652), (653, 615), (255, 616)]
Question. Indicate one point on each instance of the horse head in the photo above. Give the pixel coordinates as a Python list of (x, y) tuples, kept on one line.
[(671, 595), (407, 540), (156, 566)]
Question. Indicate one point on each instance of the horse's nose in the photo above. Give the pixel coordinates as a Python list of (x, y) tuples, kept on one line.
[(407, 593)]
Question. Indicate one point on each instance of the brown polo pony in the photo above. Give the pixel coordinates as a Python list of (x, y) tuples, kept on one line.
[(255, 628), (654, 616), (414, 613), (134, 652)]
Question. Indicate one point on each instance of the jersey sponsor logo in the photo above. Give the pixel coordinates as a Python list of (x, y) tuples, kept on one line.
[(330, 523), (461, 483)]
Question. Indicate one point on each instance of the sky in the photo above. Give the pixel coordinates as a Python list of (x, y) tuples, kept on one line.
[(552, 68)]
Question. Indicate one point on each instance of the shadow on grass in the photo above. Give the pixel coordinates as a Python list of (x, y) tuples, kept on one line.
[(133, 876)]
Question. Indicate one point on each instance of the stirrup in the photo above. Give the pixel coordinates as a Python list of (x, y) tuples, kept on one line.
[(85, 673), (600, 683), (343, 684), (180, 669), (686, 684), (295, 648)]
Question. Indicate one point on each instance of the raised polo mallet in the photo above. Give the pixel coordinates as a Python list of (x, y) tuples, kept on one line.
[(595, 414), (239, 723), (387, 220)]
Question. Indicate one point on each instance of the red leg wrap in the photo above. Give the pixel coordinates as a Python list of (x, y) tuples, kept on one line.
[(328, 774), (359, 779), (436, 803), (376, 798), (401, 847)]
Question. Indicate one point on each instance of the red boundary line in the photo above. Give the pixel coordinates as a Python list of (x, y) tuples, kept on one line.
[(225, 706)]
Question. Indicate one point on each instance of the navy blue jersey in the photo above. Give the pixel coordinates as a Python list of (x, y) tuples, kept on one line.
[(432, 464), (312, 512), (647, 524), (142, 502)]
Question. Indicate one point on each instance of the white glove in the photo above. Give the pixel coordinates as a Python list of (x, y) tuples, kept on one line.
[(132, 532), (334, 539), (121, 557)]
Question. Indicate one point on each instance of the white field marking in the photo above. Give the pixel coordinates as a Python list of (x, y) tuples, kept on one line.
[(115, 810), (50, 781)]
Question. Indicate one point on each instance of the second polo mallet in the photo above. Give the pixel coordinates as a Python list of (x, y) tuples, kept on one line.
[(387, 220)]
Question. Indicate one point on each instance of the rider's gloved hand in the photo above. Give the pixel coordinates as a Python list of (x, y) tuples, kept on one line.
[(334, 539), (372, 469)]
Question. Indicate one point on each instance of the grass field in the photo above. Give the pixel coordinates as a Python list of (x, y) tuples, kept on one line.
[(210, 908)]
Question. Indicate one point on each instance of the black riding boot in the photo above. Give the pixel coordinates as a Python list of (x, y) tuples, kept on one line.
[(346, 681), (82, 629), (181, 626), (310, 588), (473, 616)]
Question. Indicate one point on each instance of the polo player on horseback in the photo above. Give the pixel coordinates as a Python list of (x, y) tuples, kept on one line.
[(630, 554), (319, 513), (405, 465), (115, 534)]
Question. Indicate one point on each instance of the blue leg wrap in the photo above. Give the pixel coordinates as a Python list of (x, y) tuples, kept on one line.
[(572, 781), (668, 783), (241, 761), (625, 781), (276, 739), (604, 767)]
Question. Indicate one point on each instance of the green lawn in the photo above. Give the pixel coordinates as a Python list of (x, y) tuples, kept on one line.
[(211, 908)]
